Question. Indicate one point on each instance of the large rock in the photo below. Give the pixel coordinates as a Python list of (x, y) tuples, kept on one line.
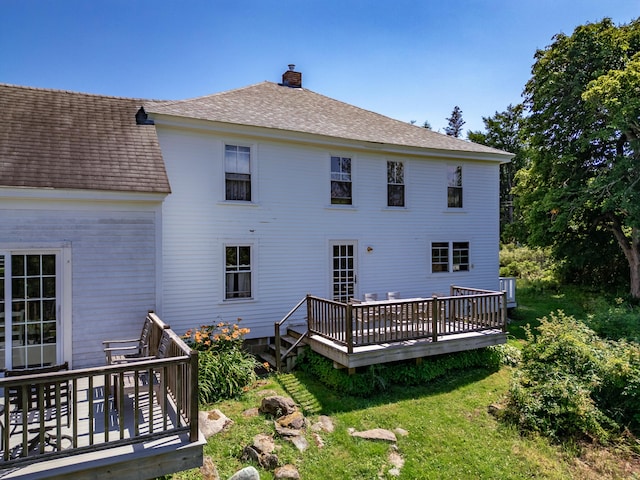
[(213, 422), (300, 442), (277, 406), (376, 434), (264, 443), (286, 472), (324, 423), (294, 420), (208, 469), (247, 473)]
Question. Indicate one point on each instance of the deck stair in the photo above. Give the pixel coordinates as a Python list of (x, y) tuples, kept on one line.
[(291, 344)]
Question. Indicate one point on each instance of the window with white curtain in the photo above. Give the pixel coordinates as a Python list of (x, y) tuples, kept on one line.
[(238, 271)]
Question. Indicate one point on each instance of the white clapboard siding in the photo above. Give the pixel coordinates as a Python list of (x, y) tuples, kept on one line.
[(114, 264), (291, 223)]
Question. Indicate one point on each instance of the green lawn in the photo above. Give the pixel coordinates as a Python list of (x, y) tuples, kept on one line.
[(451, 433)]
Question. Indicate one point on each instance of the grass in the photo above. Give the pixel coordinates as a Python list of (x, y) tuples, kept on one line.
[(451, 433)]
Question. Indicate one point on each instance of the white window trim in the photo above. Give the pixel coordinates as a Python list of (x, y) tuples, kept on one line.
[(339, 206), (64, 348), (223, 262), (446, 193), (253, 171), (404, 173), (451, 271)]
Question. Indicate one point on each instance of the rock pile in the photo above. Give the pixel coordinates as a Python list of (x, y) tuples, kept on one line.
[(290, 425)]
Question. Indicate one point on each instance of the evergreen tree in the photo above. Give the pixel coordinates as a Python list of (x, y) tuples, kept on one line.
[(454, 128)]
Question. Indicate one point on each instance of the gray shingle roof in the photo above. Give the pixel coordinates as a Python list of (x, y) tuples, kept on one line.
[(271, 105), (67, 140)]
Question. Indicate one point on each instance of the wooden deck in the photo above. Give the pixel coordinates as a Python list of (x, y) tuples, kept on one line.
[(358, 333), (103, 431)]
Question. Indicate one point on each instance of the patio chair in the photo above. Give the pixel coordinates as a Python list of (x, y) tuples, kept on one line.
[(124, 351), (141, 379)]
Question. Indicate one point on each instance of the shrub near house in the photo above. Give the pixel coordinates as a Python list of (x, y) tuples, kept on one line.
[(224, 368)]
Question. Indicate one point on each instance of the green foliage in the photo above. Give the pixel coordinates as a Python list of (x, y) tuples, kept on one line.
[(376, 378), (532, 264), (225, 369), (620, 321), (504, 131), (581, 194), (573, 384)]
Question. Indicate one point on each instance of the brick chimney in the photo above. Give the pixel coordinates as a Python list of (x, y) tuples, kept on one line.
[(291, 78)]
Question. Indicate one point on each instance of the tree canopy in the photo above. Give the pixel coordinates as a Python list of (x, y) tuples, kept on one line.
[(581, 193), (504, 131)]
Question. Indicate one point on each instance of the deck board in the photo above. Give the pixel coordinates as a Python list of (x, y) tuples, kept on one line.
[(385, 352)]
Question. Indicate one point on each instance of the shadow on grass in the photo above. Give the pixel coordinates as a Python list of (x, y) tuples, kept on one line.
[(316, 398)]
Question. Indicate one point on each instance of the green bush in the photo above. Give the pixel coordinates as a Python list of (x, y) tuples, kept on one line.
[(532, 264), (375, 378), (225, 369), (574, 384), (621, 321)]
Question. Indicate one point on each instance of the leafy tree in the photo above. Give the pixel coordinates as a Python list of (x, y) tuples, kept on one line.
[(454, 128), (581, 193), (505, 131)]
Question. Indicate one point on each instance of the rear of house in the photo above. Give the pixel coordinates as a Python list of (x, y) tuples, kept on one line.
[(233, 205), (279, 192)]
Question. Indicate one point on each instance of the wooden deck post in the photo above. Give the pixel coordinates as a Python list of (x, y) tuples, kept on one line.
[(434, 319), (195, 397), (504, 311), (349, 326)]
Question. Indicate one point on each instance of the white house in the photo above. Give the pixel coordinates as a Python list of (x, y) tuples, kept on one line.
[(278, 191), (233, 205)]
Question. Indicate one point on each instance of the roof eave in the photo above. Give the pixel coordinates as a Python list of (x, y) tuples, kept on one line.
[(189, 123), (67, 194)]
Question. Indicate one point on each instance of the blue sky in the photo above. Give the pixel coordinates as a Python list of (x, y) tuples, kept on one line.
[(407, 59)]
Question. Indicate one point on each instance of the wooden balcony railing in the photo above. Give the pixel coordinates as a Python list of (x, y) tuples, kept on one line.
[(368, 323), (98, 413)]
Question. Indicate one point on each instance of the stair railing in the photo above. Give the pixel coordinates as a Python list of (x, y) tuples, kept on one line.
[(277, 326)]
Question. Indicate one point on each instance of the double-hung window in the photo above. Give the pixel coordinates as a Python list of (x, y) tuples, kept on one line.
[(460, 260), (237, 172), (449, 257), (237, 271), (395, 184), (341, 181), (439, 257), (454, 187)]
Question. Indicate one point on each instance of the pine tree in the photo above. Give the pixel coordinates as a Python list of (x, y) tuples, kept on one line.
[(454, 129)]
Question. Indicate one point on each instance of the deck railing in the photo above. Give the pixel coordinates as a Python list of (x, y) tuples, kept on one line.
[(99, 415), (367, 323)]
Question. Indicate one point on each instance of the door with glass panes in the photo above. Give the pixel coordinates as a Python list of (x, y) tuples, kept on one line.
[(344, 270), (29, 301)]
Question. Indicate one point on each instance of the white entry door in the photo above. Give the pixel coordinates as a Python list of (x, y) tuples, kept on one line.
[(344, 270), (29, 309)]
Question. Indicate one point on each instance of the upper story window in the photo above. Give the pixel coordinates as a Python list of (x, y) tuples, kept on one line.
[(454, 187), (442, 261), (237, 168), (341, 181), (237, 271), (395, 184)]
